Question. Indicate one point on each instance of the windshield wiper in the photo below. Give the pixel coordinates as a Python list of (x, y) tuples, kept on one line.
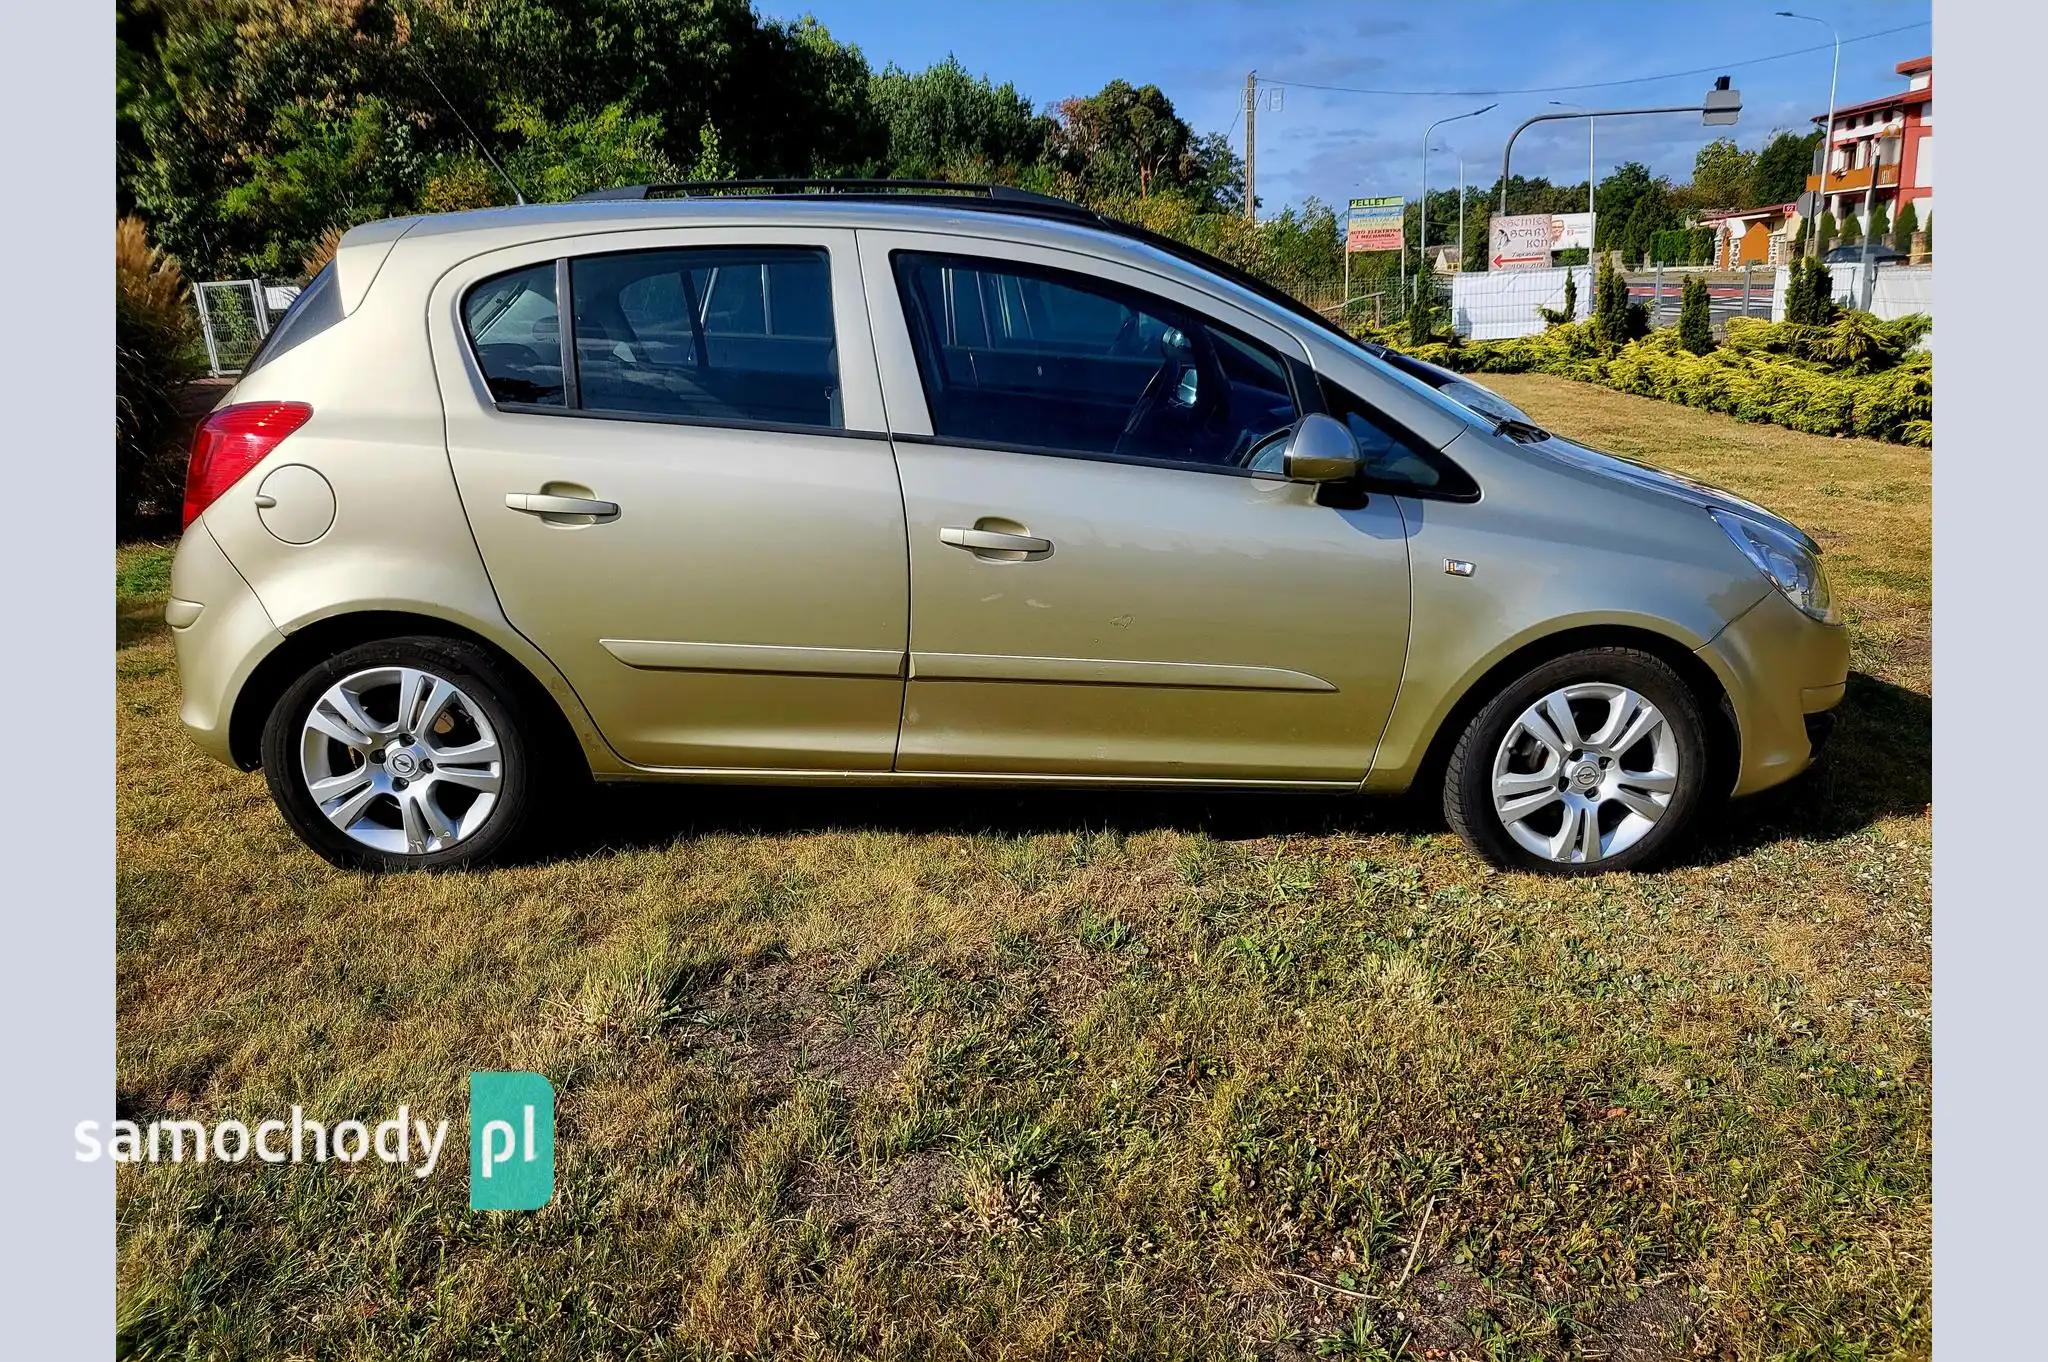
[(1526, 432)]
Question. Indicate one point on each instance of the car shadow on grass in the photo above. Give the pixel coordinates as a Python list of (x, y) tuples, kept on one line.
[(1879, 763), (1877, 766)]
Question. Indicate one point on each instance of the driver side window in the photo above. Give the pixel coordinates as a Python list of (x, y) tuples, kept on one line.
[(1017, 356)]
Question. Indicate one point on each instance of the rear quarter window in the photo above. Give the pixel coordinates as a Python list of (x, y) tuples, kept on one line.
[(516, 332)]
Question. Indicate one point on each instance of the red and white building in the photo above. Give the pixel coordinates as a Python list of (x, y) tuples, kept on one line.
[(1883, 148)]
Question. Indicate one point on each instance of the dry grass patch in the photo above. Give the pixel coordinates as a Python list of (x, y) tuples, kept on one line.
[(988, 1074)]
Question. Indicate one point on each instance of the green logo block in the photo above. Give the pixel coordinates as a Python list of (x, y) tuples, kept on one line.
[(511, 1141)]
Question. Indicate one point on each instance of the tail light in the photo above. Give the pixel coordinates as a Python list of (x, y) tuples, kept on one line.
[(231, 442)]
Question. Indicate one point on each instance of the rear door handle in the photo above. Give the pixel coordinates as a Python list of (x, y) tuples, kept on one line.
[(546, 503), (996, 541)]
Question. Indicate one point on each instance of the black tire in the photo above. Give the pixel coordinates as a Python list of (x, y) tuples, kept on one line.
[(1468, 780), (474, 672)]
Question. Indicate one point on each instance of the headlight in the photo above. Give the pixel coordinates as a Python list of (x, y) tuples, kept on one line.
[(1794, 568)]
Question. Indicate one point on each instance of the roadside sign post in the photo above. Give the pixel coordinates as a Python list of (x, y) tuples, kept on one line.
[(1372, 225), (1519, 242)]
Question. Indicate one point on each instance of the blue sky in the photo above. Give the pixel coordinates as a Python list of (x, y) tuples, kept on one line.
[(1334, 145)]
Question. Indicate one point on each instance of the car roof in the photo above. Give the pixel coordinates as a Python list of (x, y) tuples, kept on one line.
[(1027, 219)]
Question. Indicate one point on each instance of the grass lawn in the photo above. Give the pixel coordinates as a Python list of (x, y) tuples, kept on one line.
[(975, 1074)]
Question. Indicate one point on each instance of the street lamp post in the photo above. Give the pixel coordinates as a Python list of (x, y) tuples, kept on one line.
[(1461, 202), (1720, 107), (1422, 218), (1827, 140), (1589, 153)]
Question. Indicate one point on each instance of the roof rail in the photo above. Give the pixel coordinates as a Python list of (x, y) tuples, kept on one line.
[(999, 198), (969, 191)]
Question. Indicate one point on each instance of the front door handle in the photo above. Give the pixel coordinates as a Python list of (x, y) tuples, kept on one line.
[(1024, 547), (546, 503)]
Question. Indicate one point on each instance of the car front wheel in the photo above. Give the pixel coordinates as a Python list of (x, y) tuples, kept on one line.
[(1591, 762), (401, 754)]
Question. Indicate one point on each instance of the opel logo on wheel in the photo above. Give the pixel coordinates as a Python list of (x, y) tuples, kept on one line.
[(403, 764)]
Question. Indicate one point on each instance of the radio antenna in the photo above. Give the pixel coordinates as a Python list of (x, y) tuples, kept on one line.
[(483, 150)]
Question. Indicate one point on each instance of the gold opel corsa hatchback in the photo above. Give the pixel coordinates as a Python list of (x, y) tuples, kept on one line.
[(855, 482)]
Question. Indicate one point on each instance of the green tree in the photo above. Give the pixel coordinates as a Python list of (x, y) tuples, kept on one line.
[(1723, 175), (943, 119), (1611, 325), (1127, 140), (711, 162), (1782, 167), (1851, 229), (1571, 295), (1880, 222), (1695, 322), (1824, 232), (1809, 293), (1905, 226), (1649, 214), (1614, 203)]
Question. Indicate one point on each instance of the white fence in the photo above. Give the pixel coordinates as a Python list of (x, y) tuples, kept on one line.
[(1896, 289), (1500, 305)]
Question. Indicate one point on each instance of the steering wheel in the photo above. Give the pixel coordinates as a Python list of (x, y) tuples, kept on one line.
[(1162, 407)]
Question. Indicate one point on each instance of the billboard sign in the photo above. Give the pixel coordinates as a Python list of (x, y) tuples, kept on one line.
[(1520, 241), (1374, 224), (1571, 231)]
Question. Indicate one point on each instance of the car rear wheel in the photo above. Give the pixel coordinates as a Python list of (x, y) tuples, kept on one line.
[(402, 754), (1595, 761)]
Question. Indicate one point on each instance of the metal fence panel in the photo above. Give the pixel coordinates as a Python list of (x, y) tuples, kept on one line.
[(234, 317), (1502, 305)]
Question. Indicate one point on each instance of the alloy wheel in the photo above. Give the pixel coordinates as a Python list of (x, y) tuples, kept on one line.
[(1585, 773), (401, 760)]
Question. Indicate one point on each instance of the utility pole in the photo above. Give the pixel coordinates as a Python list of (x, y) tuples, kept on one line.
[(1251, 145), (1827, 137)]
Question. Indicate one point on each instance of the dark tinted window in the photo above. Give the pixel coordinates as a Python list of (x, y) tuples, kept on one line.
[(1014, 355), (1392, 456), (709, 335), (513, 325), (317, 307)]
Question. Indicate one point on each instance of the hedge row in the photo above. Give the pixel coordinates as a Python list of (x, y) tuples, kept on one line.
[(1682, 246), (1770, 372)]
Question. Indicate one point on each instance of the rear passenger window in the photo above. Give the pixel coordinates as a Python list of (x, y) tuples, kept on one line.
[(716, 335), (514, 328)]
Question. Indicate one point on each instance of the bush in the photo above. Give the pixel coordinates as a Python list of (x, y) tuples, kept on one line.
[(1779, 372), (1902, 230), (153, 326), (1810, 292), (1824, 232), (1682, 246), (1611, 324), (1558, 316), (1695, 322)]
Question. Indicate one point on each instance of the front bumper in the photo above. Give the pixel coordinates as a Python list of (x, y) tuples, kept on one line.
[(1782, 670), (220, 631)]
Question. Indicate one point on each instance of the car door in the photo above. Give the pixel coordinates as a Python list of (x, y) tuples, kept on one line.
[(1103, 584), (682, 490)]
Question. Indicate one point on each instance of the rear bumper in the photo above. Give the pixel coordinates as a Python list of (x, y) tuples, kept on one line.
[(1783, 672), (220, 631)]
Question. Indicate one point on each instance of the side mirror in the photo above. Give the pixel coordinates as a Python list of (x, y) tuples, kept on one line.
[(1321, 449)]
